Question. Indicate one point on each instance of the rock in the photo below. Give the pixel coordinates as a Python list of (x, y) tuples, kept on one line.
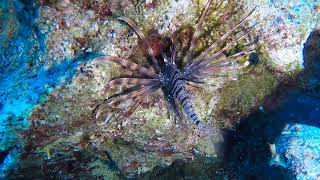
[(240, 97), (284, 27), (311, 53), (310, 78), (136, 143), (145, 135), (65, 93), (16, 51), (24, 81), (297, 149)]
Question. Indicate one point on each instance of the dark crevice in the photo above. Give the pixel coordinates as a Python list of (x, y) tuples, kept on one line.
[(247, 153)]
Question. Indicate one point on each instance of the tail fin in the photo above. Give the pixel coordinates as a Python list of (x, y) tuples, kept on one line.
[(211, 141), (216, 134)]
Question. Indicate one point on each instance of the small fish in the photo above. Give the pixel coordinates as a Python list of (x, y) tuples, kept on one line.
[(276, 158)]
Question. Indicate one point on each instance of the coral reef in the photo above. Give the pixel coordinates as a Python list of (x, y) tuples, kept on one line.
[(284, 27), (49, 91), (147, 137), (235, 102)]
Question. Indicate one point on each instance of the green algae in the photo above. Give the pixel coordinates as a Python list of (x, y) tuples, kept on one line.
[(238, 98), (202, 98), (198, 168), (70, 162), (9, 25), (134, 149), (208, 148), (71, 158), (154, 121), (136, 161), (101, 170)]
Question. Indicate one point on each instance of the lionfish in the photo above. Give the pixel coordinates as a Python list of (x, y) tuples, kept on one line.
[(167, 76)]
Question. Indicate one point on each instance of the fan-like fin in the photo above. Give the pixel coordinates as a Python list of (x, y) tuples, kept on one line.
[(222, 38), (117, 112), (204, 71), (208, 58), (134, 26), (132, 81), (195, 84), (145, 90), (197, 32), (173, 52), (127, 64)]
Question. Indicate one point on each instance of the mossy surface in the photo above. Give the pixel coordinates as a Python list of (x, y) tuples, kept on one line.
[(238, 98), (137, 161), (70, 160), (141, 137), (198, 168)]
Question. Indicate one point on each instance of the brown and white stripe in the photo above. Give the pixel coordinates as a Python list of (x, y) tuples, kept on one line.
[(125, 63), (181, 94)]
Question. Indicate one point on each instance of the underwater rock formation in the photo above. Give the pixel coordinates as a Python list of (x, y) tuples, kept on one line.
[(24, 81), (311, 74), (146, 137), (62, 133), (298, 149), (284, 27)]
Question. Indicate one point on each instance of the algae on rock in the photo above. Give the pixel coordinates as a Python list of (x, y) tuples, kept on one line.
[(142, 140), (238, 98)]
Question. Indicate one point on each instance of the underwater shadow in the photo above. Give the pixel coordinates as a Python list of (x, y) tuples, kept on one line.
[(296, 100), (247, 150)]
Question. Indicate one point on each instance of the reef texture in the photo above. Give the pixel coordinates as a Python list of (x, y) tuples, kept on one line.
[(63, 133), (297, 149), (284, 27)]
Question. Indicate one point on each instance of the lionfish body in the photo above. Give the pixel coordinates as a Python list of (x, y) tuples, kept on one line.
[(175, 90), (168, 76)]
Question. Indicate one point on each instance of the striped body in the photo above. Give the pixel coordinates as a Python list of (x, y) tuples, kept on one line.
[(174, 87), (165, 73)]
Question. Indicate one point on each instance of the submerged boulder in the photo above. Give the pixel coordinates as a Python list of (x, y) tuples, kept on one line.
[(298, 149), (142, 137), (66, 135), (284, 26)]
